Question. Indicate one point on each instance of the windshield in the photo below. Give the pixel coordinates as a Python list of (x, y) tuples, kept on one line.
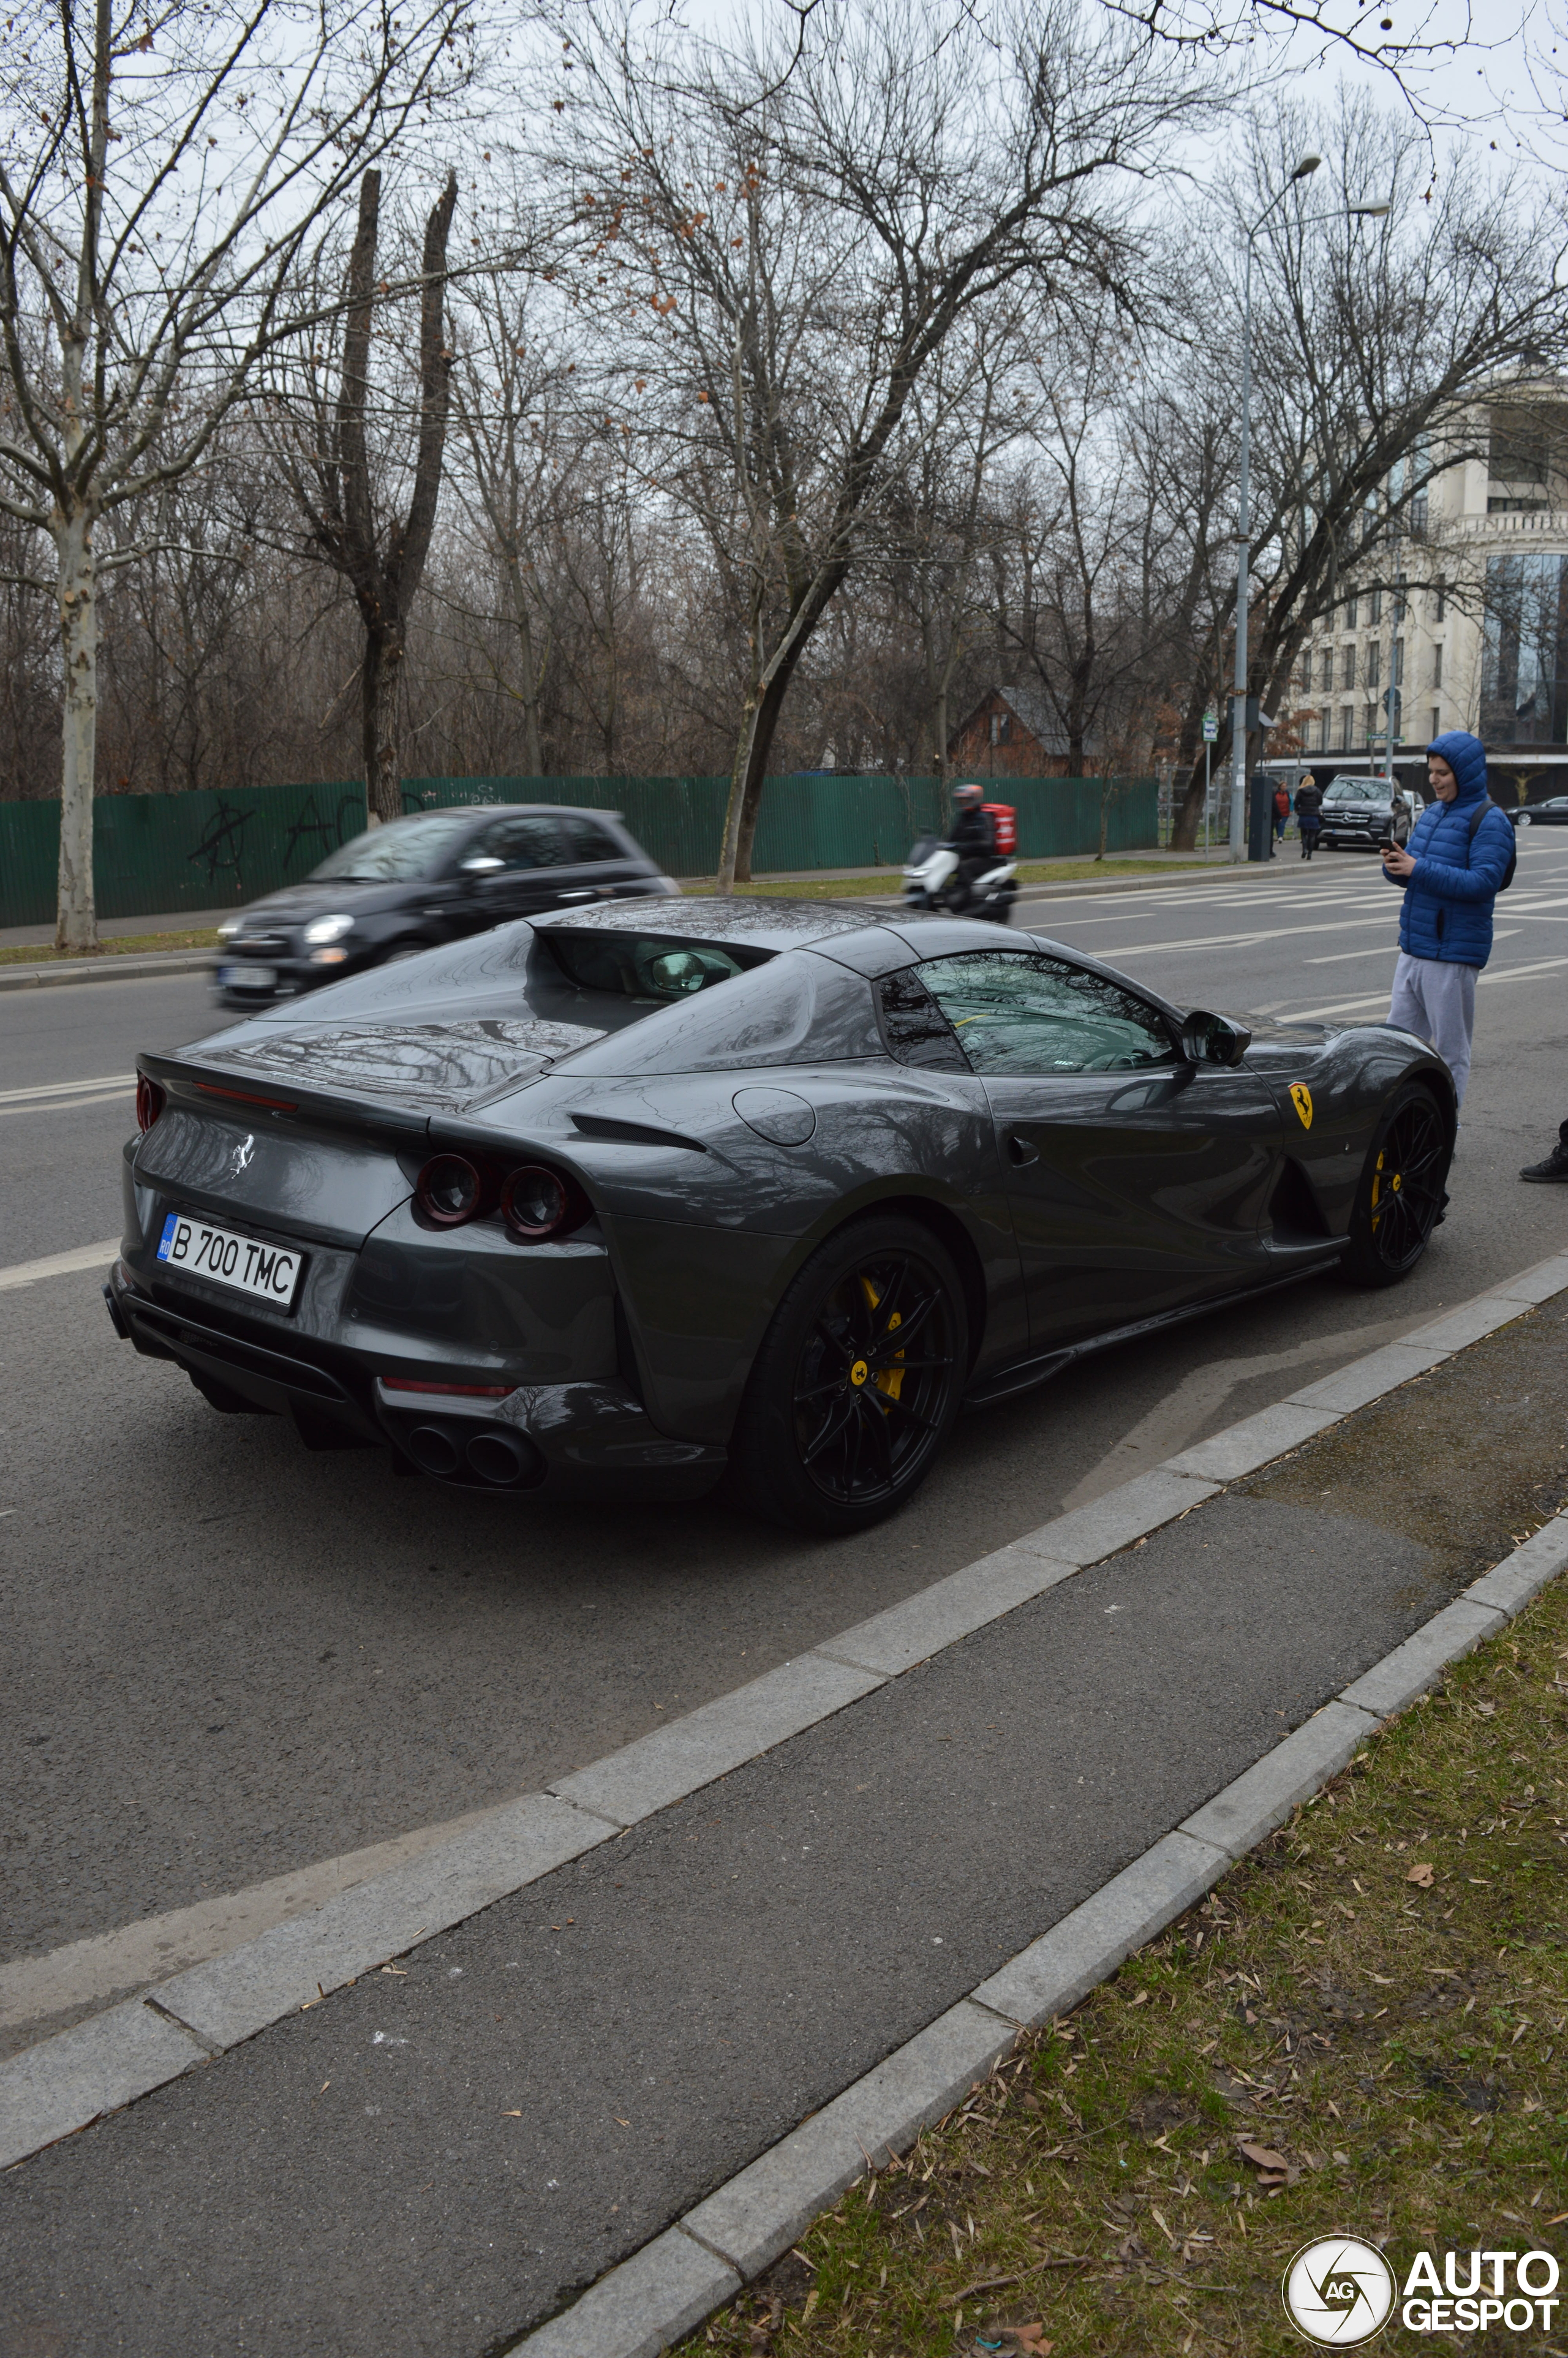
[(404, 848), (1358, 790), (646, 967), (1017, 1013)]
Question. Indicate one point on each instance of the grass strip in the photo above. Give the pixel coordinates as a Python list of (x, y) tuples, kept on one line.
[(1362, 2030), (203, 937), (1037, 871)]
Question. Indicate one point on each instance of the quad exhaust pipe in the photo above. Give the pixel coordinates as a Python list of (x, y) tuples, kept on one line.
[(452, 1450)]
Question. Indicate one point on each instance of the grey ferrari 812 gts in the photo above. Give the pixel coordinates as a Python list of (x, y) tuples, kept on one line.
[(640, 1198)]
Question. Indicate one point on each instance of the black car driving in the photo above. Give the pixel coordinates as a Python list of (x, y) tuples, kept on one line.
[(424, 879)]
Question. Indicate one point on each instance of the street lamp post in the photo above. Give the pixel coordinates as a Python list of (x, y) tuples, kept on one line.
[(1303, 170)]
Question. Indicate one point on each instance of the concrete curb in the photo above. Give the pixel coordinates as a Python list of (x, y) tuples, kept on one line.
[(65, 2081), (49, 975)]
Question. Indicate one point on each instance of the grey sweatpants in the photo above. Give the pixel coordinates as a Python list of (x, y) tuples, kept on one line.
[(1437, 1002)]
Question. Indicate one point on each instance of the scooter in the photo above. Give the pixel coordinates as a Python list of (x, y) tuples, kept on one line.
[(930, 869)]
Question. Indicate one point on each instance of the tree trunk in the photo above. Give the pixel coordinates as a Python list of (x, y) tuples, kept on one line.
[(759, 723), (382, 704), (530, 696), (748, 777), (76, 924), (1189, 817)]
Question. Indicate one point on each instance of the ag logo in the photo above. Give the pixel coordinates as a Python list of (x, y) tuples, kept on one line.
[(1338, 2292), (1301, 1098)]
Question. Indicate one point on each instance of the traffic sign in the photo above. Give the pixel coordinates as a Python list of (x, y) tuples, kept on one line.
[(1210, 728)]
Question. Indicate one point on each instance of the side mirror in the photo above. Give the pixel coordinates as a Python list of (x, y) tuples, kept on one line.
[(1214, 1039), (483, 863)]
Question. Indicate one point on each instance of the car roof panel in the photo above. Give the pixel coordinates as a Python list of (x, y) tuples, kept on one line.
[(758, 923)]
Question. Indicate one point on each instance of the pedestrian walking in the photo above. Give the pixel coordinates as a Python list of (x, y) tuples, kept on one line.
[(1281, 811), (1309, 814), (1459, 857)]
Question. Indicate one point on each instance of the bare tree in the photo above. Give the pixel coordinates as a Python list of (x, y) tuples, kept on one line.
[(802, 245), (161, 169), (945, 515), (510, 394), (1084, 556), (1372, 353), (340, 481)]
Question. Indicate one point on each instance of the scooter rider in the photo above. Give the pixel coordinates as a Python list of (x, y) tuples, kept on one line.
[(972, 836)]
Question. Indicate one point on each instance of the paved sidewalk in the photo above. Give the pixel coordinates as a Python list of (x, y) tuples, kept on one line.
[(436, 2157)]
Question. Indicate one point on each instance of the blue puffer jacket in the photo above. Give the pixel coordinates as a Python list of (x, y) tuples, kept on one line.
[(1447, 912)]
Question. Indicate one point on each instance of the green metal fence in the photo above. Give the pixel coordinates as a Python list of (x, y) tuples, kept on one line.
[(156, 855)]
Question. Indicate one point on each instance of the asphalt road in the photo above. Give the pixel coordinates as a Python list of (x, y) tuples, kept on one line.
[(438, 2155), (226, 1659)]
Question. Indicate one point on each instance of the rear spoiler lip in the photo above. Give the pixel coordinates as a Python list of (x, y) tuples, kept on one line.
[(215, 1088)]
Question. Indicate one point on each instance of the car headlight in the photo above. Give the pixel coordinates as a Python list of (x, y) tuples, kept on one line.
[(229, 929), (329, 929)]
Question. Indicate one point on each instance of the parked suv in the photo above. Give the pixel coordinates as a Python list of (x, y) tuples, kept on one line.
[(427, 878), (1367, 812)]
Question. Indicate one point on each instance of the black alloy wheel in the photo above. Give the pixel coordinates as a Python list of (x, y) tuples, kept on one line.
[(858, 1380), (1401, 1191)]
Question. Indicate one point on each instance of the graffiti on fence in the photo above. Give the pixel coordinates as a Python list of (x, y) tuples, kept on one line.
[(221, 844), (325, 834)]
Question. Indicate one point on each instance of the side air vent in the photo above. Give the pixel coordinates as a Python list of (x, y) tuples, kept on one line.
[(631, 1133), (1293, 1209)]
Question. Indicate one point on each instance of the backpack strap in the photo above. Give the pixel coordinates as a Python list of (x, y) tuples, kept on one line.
[(1482, 807)]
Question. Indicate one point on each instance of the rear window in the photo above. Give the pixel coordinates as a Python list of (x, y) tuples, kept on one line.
[(652, 967), (588, 840)]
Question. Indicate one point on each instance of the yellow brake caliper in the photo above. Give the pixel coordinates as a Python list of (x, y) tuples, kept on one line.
[(890, 1379)]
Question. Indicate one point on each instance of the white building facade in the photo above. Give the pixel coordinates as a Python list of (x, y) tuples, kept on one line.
[(1467, 614)]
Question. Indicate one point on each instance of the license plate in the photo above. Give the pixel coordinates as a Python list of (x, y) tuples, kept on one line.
[(247, 977), (269, 1272)]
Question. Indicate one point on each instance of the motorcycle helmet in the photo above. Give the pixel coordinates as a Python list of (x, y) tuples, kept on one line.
[(967, 796)]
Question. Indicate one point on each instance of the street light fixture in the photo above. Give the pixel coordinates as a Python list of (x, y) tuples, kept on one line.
[(1305, 170)]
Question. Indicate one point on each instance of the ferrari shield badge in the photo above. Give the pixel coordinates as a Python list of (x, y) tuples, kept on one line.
[(1301, 1098)]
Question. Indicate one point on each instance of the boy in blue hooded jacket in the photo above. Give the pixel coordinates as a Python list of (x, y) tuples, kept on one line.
[(1450, 872)]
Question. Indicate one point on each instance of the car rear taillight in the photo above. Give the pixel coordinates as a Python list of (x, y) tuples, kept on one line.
[(150, 1102), (536, 1203), (450, 1190)]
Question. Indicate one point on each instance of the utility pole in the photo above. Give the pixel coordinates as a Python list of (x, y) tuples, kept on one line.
[(1303, 170)]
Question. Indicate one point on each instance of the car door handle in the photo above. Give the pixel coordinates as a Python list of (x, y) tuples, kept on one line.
[(1023, 1149)]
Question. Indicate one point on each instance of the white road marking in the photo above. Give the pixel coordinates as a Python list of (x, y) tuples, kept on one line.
[(1340, 1007), (1179, 1419), (136, 1955), (1247, 941), (1530, 973), (1522, 973), (66, 1088), (26, 1272), (69, 1105)]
